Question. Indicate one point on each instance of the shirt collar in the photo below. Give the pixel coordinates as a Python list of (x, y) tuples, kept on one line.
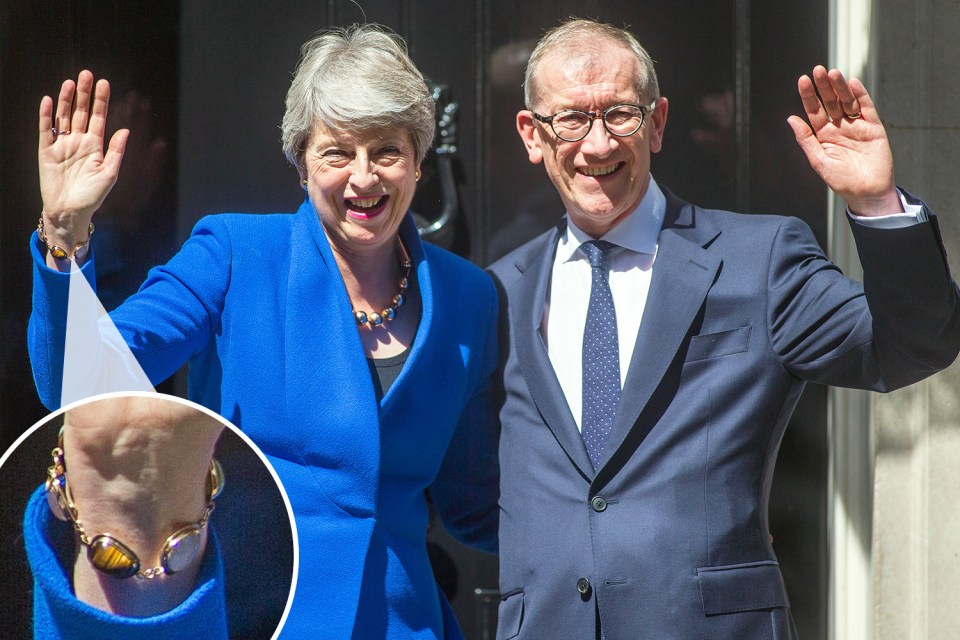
[(637, 232)]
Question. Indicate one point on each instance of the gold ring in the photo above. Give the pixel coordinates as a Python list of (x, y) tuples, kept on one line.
[(854, 116)]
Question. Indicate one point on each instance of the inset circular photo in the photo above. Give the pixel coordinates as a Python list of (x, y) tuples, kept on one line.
[(142, 515)]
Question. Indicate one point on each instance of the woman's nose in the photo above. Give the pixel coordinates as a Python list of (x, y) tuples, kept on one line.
[(363, 176)]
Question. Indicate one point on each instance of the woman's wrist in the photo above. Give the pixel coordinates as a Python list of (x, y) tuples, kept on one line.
[(66, 240), (140, 473)]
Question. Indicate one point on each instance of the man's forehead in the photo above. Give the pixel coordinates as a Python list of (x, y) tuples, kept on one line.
[(594, 60), (594, 72)]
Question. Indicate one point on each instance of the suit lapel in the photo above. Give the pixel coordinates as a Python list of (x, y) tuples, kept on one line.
[(683, 273), (535, 266)]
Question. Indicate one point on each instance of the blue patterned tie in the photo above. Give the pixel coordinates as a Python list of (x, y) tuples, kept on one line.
[(601, 355)]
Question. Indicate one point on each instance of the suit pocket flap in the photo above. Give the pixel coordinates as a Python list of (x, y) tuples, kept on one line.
[(722, 343), (741, 587), (510, 615)]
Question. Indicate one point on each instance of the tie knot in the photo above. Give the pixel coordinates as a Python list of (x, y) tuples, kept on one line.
[(597, 252)]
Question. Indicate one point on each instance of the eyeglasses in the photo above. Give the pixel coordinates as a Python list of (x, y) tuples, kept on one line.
[(621, 120)]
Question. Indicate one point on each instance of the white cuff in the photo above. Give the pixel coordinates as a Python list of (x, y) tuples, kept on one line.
[(915, 214)]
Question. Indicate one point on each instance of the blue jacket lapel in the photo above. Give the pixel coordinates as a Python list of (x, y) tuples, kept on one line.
[(325, 367), (423, 280)]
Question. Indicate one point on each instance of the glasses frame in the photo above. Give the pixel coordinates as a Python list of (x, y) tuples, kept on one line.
[(598, 115)]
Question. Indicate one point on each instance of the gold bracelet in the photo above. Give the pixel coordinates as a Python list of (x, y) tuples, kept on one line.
[(57, 251), (104, 551)]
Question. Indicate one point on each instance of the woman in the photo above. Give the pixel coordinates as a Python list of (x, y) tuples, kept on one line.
[(286, 323)]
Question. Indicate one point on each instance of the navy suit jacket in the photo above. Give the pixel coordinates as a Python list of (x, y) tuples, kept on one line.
[(669, 538)]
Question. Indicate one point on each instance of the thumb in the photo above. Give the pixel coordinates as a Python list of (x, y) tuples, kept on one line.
[(807, 140), (118, 144)]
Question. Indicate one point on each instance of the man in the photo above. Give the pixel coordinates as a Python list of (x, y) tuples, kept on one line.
[(637, 455)]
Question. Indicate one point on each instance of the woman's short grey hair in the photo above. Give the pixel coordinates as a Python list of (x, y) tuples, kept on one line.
[(356, 78), (578, 38)]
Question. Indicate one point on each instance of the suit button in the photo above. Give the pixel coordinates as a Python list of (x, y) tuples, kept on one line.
[(598, 503), (583, 586)]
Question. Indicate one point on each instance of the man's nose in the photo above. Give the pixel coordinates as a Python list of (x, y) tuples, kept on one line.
[(598, 141)]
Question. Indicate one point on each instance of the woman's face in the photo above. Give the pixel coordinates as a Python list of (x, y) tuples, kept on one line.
[(361, 183)]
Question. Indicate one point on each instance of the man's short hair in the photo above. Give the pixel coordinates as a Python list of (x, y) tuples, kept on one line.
[(586, 38)]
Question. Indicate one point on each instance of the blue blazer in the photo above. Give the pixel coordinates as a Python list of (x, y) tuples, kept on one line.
[(257, 305), (669, 538)]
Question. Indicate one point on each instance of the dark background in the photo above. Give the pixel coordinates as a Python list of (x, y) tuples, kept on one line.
[(202, 87)]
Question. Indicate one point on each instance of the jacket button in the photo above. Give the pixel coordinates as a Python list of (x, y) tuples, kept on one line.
[(598, 503), (583, 586)]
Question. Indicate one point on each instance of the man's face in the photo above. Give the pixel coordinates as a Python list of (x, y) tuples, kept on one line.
[(601, 178)]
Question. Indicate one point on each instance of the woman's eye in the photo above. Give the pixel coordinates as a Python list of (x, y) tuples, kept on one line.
[(335, 157)]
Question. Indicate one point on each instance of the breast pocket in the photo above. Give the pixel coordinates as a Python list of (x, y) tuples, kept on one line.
[(716, 345)]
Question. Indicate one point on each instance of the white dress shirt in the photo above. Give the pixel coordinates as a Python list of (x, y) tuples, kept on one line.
[(631, 268)]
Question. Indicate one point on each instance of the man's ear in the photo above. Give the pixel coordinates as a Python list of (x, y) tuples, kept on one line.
[(657, 125), (529, 133)]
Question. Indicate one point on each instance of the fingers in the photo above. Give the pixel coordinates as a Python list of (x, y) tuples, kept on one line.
[(836, 94), (81, 103), (811, 103), (64, 105), (75, 113), (98, 120), (867, 108), (46, 122)]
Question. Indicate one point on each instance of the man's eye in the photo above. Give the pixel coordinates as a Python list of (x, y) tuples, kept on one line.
[(570, 120)]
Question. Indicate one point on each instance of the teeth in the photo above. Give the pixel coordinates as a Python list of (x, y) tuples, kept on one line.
[(598, 171), (365, 203)]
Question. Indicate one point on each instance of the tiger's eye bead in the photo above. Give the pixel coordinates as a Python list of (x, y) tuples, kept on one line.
[(375, 319), (361, 317), (110, 556)]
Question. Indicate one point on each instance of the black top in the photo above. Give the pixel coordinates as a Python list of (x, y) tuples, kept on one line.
[(384, 371)]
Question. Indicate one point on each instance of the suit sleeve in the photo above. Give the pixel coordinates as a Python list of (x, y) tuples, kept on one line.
[(467, 486), (167, 321), (58, 615), (900, 326)]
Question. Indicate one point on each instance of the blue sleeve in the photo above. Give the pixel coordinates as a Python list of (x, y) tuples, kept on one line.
[(467, 488), (58, 615), (164, 324), (900, 326)]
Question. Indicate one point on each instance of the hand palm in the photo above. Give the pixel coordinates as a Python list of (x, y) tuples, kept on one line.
[(845, 142), (75, 174)]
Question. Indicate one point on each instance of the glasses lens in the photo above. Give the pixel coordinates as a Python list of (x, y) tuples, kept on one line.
[(623, 120), (571, 125)]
